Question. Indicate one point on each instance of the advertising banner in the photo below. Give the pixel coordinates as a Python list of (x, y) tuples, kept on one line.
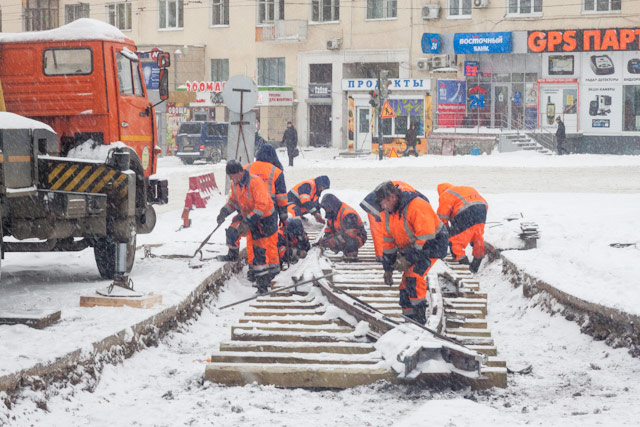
[(605, 39), (482, 42), (431, 43), (452, 102)]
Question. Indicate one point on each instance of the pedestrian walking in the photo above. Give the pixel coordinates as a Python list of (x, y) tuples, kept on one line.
[(290, 140), (410, 139), (561, 137), (464, 211)]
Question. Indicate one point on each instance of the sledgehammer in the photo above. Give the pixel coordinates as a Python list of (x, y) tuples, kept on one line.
[(193, 264)]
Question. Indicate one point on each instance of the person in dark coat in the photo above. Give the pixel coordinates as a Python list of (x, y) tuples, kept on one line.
[(410, 139), (561, 137), (290, 140)]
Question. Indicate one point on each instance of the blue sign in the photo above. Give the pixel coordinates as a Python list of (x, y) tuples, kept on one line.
[(517, 99), (431, 43), (452, 96), (482, 42), (476, 101), (151, 73)]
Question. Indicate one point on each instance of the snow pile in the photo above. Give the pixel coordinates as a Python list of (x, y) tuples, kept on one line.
[(80, 29), (14, 121), (92, 150)]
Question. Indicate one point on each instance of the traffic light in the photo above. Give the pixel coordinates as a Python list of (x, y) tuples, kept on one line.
[(385, 84), (375, 98)]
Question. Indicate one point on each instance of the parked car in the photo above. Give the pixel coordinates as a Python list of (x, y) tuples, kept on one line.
[(201, 141)]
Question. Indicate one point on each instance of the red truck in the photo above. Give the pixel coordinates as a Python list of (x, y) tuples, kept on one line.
[(83, 80)]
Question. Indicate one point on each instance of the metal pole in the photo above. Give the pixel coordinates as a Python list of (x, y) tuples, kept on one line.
[(378, 111)]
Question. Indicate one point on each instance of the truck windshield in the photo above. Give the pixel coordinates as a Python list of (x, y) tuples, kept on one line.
[(190, 128), (64, 62)]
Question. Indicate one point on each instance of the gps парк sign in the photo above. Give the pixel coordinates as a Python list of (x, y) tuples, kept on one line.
[(610, 39)]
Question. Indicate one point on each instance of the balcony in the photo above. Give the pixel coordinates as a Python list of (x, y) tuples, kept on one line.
[(284, 31)]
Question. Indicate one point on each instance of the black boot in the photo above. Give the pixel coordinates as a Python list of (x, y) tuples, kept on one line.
[(263, 283), (464, 260), (232, 255), (475, 264)]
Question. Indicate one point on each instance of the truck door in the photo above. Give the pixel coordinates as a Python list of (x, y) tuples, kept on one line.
[(134, 113)]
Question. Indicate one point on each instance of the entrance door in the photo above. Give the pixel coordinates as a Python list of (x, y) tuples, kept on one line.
[(363, 128), (501, 107), (320, 125)]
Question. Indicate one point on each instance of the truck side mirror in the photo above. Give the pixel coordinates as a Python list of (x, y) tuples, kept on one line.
[(163, 85), (164, 60)]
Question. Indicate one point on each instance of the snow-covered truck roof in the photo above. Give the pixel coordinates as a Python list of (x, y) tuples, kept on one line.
[(80, 29), (14, 121)]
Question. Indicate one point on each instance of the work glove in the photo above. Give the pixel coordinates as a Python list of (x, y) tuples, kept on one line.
[(221, 217), (302, 254), (243, 228), (283, 217), (401, 263), (319, 218), (378, 259), (388, 278)]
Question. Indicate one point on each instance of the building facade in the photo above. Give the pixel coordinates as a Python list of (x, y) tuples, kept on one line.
[(508, 64)]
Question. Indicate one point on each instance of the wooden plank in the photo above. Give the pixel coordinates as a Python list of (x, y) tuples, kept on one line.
[(496, 362), (293, 358), (470, 332), (489, 350), (146, 301), (298, 347), (296, 376), (294, 320), (291, 328), (285, 306), (37, 319), (241, 335), (282, 313)]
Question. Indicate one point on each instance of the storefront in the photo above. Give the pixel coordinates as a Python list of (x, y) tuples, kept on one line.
[(409, 103)]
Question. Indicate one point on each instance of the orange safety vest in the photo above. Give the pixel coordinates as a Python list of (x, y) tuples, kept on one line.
[(273, 177), (336, 225), (251, 198), (305, 197), (462, 206)]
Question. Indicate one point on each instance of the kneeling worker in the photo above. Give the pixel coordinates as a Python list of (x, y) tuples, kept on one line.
[(344, 231), (464, 210), (293, 242), (304, 197), (413, 240), (258, 218)]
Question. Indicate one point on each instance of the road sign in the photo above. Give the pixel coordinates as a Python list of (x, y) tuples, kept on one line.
[(240, 90), (387, 111)]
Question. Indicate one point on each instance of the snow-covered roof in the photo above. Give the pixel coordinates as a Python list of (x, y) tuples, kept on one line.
[(80, 29), (14, 121)]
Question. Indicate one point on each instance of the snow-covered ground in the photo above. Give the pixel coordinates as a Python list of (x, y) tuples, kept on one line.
[(582, 203)]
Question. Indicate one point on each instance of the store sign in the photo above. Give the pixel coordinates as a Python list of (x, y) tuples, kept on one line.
[(195, 86), (319, 90), (471, 68), (611, 39), (396, 84), (275, 96), (482, 42), (431, 43)]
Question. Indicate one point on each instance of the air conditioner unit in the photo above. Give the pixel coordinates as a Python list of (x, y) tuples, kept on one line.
[(424, 64), (334, 44), (431, 11), (480, 4), (440, 61)]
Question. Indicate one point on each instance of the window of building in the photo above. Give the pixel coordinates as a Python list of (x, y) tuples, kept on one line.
[(129, 78), (170, 13), (325, 10), (379, 9), (270, 11), (602, 5), (525, 7), (119, 15), (40, 14), (219, 70), (408, 111), (460, 8), (219, 12), (75, 11), (271, 72), (631, 113), (67, 62)]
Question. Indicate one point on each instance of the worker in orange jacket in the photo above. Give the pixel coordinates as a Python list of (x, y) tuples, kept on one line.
[(304, 197), (344, 231), (250, 197), (373, 209), (293, 242), (464, 211), (414, 239)]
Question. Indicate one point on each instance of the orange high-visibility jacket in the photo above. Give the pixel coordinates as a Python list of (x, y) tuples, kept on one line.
[(413, 229), (274, 178), (461, 206), (347, 221), (305, 196), (251, 198)]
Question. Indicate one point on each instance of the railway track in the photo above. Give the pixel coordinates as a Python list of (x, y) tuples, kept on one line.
[(348, 330)]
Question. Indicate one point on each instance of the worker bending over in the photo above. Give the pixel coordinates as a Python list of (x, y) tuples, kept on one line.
[(293, 242), (344, 231), (304, 197)]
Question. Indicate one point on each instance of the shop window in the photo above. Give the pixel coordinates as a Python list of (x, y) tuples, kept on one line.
[(602, 5), (119, 15), (524, 7), (40, 14), (270, 11), (409, 111), (325, 10), (219, 12), (170, 14), (460, 8), (632, 108), (219, 70), (75, 11), (380, 9), (271, 72)]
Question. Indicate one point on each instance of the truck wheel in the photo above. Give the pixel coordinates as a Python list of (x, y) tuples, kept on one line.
[(105, 253), (186, 160), (216, 155)]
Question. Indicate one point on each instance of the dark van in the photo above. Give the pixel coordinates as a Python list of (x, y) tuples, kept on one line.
[(201, 141)]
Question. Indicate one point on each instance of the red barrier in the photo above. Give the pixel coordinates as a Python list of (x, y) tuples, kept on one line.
[(200, 189)]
